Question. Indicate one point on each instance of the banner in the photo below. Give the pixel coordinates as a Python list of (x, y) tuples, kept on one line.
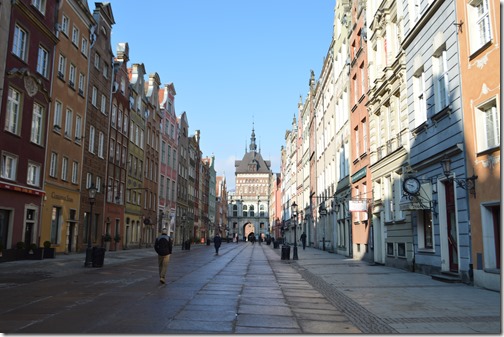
[(357, 205)]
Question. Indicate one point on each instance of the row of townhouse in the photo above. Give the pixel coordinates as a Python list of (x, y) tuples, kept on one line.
[(91, 150), (394, 157)]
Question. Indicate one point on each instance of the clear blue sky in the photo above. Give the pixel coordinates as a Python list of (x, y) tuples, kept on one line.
[(234, 63)]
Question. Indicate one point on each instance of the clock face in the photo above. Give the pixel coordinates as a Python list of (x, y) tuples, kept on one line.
[(411, 185)]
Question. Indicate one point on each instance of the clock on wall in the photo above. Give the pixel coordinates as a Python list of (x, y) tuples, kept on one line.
[(411, 185)]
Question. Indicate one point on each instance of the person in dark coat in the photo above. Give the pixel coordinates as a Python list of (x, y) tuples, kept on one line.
[(163, 247), (303, 240), (217, 242)]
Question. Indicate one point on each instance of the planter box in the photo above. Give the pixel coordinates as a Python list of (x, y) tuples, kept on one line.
[(35, 254), (49, 253), (13, 255)]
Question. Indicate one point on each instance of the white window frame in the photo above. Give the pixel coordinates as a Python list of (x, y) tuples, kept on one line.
[(101, 142), (43, 62), (12, 116), (65, 23), (36, 126), (480, 32), (33, 174), (64, 168), (84, 47), (97, 61), (78, 128), (94, 96), (89, 180), (9, 166), (71, 75), (420, 98), (441, 87), (75, 36), (53, 165), (58, 108), (103, 104), (40, 5), (487, 125), (20, 42), (82, 83), (61, 67), (68, 123), (91, 139), (75, 172)]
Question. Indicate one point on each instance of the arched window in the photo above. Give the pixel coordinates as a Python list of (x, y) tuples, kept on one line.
[(251, 210), (235, 210)]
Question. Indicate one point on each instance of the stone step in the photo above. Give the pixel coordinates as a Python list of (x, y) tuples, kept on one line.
[(447, 277)]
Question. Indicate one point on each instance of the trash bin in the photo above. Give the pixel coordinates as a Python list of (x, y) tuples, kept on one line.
[(276, 244), (188, 245), (285, 252), (98, 256)]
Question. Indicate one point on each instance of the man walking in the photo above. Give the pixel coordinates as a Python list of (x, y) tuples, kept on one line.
[(163, 247), (217, 242), (303, 240)]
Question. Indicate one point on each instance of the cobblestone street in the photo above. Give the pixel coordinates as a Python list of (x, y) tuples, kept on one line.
[(246, 289)]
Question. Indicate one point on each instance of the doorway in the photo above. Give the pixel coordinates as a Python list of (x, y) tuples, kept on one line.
[(451, 227)]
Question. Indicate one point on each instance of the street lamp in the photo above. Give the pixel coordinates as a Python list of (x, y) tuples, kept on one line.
[(294, 219), (89, 251), (467, 183), (183, 230)]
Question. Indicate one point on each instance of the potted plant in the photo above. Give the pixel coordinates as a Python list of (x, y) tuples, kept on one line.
[(107, 238), (117, 239), (48, 250), (35, 253)]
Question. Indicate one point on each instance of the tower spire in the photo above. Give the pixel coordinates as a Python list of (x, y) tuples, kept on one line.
[(253, 146)]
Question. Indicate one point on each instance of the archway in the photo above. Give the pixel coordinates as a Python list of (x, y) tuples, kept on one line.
[(247, 229)]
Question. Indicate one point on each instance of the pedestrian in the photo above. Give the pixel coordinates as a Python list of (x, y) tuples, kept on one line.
[(217, 242), (303, 240), (163, 247)]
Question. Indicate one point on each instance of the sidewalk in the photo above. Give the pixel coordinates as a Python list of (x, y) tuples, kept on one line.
[(406, 301)]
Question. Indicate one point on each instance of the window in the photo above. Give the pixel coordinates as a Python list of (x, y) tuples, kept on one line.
[(84, 47), (97, 61), (75, 172), (89, 180), (103, 106), (364, 136), (40, 5), (61, 67), (64, 168), (53, 165), (480, 31), (401, 249), (36, 129), (82, 83), (105, 70), (425, 230), (420, 99), (101, 140), (12, 115), (441, 84), (71, 76), (114, 116), (65, 23), (94, 96), (58, 108), (91, 138), (9, 166), (43, 61), (119, 121), (78, 128), (98, 184), (33, 176), (125, 125), (75, 36), (390, 248), (19, 44), (357, 145), (163, 152), (488, 126), (68, 123)]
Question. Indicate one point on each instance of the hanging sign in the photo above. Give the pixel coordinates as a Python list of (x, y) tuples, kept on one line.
[(357, 205)]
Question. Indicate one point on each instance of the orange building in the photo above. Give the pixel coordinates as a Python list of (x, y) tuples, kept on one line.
[(479, 36)]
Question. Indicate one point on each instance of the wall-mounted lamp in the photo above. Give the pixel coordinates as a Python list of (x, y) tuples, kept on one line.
[(322, 210), (466, 183), (344, 20)]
